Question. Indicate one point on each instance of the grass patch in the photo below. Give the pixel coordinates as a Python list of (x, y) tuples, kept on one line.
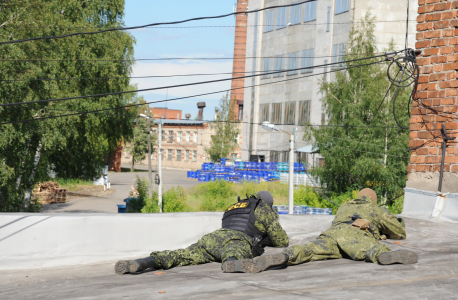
[(218, 195), (73, 184)]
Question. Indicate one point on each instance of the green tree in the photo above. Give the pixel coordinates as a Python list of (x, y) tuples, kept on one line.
[(226, 127), (72, 146), (138, 144), (356, 153)]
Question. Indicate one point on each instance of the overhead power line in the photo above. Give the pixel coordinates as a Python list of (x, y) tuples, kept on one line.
[(166, 58), (193, 96), (187, 84), (214, 26), (153, 24)]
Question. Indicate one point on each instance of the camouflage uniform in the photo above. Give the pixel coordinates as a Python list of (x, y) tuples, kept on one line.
[(222, 244), (341, 239)]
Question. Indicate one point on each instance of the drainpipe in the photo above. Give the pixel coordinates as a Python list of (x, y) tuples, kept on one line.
[(440, 200)]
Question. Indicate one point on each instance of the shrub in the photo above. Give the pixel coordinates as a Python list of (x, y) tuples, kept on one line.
[(173, 200), (136, 204)]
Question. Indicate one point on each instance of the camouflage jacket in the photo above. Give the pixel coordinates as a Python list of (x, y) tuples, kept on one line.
[(381, 221), (267, 222)]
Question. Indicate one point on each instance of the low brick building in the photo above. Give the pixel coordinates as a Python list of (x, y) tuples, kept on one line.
[(183, 145)]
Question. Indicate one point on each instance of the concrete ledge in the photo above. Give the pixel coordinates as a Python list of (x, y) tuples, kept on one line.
[(421, 204), (48, 240)]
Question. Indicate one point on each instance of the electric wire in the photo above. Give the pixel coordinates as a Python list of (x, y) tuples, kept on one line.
[(186, 97), (191, 84), (214, 26), (153, 24), (242, 57)]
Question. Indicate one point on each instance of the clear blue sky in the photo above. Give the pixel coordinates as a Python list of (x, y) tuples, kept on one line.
[(182, 42)]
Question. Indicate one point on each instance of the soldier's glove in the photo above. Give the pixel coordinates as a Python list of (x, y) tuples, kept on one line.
[(257, 249), (362, 224)]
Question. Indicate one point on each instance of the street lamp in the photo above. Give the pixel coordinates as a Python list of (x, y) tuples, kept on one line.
[(159, 167), (269, 126)]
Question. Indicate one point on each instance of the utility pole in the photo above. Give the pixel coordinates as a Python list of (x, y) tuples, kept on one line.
[(291, 173), (150, 175), (159, 188)]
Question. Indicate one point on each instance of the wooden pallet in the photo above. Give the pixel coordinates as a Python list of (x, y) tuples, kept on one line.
[(59, 195)]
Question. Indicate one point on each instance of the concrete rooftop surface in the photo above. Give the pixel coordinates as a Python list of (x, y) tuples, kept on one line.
[(435, 276)]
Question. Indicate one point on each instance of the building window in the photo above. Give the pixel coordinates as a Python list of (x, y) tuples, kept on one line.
[(194, 155), (290, 113), (310, 11), (236, 140), (265, 66), (325, 71), (269, 20), (304, 112), (186, 155), (234, 155), (295, 14), (276, 113), (188, 136), (195, 137), (338, 51), (323, 116), (178, 158), (328, 24), (293, 60), (265, 112), (170, 137), (279, 65), (163, 135), (154, 132), (307, 60), (281, 17), (180, 136), (342, 6), (169, 154), (162, 154), (240, 112)]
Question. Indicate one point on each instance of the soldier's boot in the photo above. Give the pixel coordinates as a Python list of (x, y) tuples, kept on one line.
[(400, 256), (275, 261), (234, 265), (134, 266)]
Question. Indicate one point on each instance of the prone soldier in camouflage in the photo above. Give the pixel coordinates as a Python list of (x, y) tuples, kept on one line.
[(248, 226), (354, 233)]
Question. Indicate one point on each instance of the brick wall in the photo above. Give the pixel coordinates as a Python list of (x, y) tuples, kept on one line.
[(437, 37), (238, 67)]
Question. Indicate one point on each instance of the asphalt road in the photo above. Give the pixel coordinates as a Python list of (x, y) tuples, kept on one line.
[(435, 276), (121, 183)]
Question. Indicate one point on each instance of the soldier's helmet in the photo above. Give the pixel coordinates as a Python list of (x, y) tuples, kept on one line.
[(368, 193), (266, 197)]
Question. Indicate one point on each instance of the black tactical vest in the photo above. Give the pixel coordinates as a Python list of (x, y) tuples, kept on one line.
[(240, 216)]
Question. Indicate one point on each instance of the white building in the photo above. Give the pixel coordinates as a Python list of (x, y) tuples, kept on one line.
[(309, 34)]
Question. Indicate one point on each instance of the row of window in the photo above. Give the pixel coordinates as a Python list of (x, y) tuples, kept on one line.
[(178, 154), (186, 137), (292, 64), (273, 112), (295, 12)]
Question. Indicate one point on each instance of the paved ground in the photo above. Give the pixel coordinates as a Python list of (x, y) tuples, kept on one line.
[(435, 276), (121, 183)]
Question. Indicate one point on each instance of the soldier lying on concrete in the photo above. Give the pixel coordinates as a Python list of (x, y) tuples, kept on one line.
[(355, 231), (248, 226)]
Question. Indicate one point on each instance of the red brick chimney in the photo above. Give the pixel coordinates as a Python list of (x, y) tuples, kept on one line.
[(437, 37), (238, 67)]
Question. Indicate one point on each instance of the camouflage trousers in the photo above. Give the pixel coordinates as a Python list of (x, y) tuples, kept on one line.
[(217, 246), (335, 242)]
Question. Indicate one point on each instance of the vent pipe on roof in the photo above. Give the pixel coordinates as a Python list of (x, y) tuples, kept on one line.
[(187, 116), (201, 106)]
